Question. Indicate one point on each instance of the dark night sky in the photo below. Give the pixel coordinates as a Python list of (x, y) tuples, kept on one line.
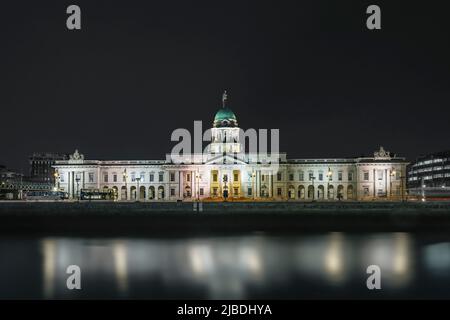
[(139, 69)]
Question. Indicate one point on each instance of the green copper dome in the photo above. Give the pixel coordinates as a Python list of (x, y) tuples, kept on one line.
[(225, 118)]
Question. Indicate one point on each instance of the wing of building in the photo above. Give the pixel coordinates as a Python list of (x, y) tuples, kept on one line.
[(225, 172)]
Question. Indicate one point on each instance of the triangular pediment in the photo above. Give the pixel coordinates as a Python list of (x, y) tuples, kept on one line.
[(225, 159)]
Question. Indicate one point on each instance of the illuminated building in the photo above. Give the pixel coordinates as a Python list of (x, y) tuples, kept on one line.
[(220, 174)]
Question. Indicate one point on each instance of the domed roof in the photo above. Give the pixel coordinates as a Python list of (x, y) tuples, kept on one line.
[(225, 118)]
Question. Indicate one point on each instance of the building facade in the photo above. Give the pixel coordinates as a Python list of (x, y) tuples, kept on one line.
[(41, 166), (429, 175), (224, 173)]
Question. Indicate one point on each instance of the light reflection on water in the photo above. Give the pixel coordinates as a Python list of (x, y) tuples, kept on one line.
[(331, 265)]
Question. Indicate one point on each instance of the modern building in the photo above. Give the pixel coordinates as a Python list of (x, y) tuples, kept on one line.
[(10, 182), (41, 166), (429, 176), (226, 172)]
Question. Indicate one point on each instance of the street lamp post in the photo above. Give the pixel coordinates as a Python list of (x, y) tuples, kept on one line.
[(393, 173), (138, 191), (329, 175), (56, 175), (77, 179), (197, 177), (253, 184), (125, 176), (312, 178)]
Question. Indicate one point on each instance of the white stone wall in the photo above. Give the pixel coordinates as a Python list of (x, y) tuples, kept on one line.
[(370, 179)]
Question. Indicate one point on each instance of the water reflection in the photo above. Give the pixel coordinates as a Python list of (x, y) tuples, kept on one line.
[(326, 265)]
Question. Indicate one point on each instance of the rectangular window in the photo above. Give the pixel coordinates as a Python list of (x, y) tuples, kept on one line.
[(236, 177), (279, 192), (201, 191), (161, 177), (366, 175), (114, 177), (279, 176), (133, 176), (61, 177), (301, 176), (262, 177), (291, 177), (249, 191), (188, 177), (340, 176), (214, 177), (105, 177), (350, 176), (172, 176), (142, 176), (320, 176), (172, 192), (236, 192), (152, 177)]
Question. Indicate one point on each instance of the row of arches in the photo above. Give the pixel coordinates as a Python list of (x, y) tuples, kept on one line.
[(150, 193), (312, 192)]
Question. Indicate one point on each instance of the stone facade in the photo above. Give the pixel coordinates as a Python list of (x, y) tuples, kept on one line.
[(221, 173)]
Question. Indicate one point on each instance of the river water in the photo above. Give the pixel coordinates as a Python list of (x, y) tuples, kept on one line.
[(322, 265)]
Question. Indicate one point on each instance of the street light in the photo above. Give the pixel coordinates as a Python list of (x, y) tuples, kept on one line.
[(253, 183), (56, 175), (329, 176), (393, 173), (197, 177), (138, 192), (77, 179), (125, 176), (312, 178)]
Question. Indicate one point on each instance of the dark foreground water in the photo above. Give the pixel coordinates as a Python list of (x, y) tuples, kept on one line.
[(326, 265)]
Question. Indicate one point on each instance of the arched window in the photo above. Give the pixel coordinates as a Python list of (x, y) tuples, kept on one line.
[(301, 192), (310, 192), (350, 192)]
